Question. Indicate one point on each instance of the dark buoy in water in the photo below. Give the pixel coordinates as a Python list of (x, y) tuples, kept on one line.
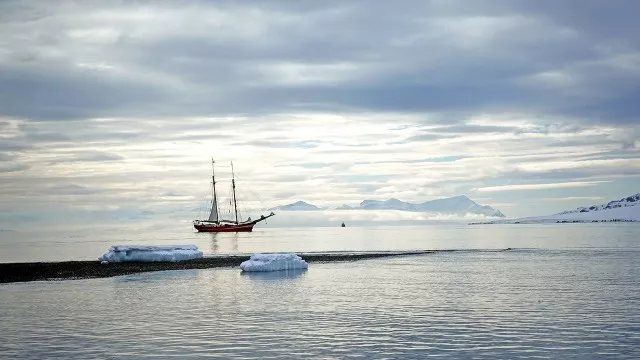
[(343, 225)]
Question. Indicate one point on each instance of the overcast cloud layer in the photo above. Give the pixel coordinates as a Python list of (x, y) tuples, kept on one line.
[(529, 106)]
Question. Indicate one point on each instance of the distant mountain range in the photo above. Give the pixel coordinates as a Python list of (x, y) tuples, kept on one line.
[(458, 205), (624, 210), (297, 206)]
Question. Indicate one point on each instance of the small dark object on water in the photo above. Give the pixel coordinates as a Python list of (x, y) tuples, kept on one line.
[(343, 225)]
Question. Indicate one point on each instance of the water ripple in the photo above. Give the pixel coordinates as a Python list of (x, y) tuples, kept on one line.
[(521, 304)]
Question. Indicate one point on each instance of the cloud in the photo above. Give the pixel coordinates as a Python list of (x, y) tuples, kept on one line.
[(362, 217), (8, 167), (88, 156), (574, 198), (329, 101), (539, 186), (13, 145), (282, 144), (629, 145), (474, 129), (71, 189), (422, 56)]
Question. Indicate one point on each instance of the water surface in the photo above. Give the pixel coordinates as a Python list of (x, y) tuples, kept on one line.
[(90, 243), (563, 292), (523, 303)]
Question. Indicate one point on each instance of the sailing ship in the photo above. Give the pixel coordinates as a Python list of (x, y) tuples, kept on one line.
[(215, 223)]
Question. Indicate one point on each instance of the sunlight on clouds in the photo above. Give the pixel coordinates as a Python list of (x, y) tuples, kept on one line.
[(612, 164), (9, 127), (574, 198), (539, 186), (359, 159), (480, 32), (552, 79), (283, 73), (104, 35), (210, 21), (95, 66), (120, 106), (476, 31)]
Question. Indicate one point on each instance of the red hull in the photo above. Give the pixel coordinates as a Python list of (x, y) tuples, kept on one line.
[(225, 228)]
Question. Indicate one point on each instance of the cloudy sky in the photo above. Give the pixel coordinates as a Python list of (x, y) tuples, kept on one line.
[(528, 106)]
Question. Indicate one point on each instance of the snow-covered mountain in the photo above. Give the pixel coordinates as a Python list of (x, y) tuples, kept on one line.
[(391, 204), (297, 206), (632, 200), (623, 210), (458, 205), (455, 205)]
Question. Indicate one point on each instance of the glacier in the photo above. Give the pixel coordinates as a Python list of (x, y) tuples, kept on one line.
[(150, 253), (274, 262)]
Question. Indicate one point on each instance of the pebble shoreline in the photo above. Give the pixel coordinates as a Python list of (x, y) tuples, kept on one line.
[(68, 270)]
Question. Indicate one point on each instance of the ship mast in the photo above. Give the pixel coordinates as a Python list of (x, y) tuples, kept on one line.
[(233, 184), (214, 200)]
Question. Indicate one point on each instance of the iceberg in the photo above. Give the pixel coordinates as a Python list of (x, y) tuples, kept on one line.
[(274, 262), (149, 253)]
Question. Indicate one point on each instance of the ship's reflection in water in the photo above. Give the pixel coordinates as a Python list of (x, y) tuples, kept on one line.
[(214, 243), (224, 238)]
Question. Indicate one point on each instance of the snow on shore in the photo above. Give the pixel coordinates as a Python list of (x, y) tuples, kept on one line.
[(629, 201), (616, 214), (274, 262), (148, 253)]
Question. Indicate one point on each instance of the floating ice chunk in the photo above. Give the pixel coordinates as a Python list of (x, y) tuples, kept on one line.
[(273, 262), (148, 253)]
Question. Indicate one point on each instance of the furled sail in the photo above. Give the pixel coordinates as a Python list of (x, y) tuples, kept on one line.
[(214, 211), (214, 200)]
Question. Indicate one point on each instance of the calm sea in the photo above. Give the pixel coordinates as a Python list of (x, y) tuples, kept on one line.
[(564, 291)]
